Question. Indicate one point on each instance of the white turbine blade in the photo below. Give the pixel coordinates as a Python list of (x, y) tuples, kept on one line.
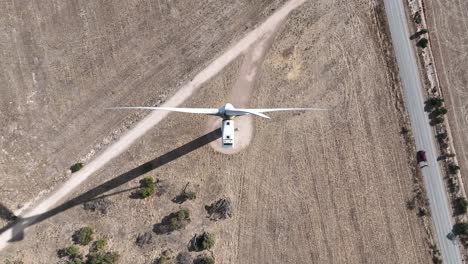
[(206, 111), (266, 110), (240, 112)]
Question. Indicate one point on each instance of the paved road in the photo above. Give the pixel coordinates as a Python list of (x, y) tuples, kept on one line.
[(423, 135)]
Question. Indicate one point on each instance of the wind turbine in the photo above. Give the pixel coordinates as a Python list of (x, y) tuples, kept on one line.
[(227, 113)]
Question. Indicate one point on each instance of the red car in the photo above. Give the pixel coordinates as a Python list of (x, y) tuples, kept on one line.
[(422, 160)]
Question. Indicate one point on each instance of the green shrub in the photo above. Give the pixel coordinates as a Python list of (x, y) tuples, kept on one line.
[(417, 18), (437, 120), (440, 111), (104, 258), (71, 251), (202, 242), (177, 220), (460, 229), (75, 261), (99, 245), (435, 101), (85, 236), (163, 260), (147, 187), (453, 169), (76, 167), (204, 260), (422, 43), (441, 136), (460, 206)]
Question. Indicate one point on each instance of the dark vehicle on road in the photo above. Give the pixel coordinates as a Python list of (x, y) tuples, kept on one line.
[(421, 158)]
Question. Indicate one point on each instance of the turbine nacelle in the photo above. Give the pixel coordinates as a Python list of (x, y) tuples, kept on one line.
[(227, 112)]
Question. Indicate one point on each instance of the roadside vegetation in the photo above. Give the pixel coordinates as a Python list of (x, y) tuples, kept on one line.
[(76, 167)]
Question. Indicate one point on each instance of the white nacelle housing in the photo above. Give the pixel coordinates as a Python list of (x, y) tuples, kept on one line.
[(227, 129)]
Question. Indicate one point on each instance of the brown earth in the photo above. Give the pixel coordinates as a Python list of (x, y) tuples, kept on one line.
[(448, 24), (311, 187)]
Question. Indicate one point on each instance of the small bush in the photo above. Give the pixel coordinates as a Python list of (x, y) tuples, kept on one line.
[(460, 229), (221, 209), (202, 242), (437, 120), (172, 222), (99, 245), (163, 260), (453, 169), (84, 236), (71, 252), (460, 206), (104, 258), (422, 43), (441, 137), (184, 258), (75, 261), (204, 260), (417, 18), (405, 130), (144, 239), (435, 101), (76, 167), (439, 111), (147, 189)]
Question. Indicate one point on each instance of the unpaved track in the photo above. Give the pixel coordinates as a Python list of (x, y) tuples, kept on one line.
[(154, 118), (242, 91)]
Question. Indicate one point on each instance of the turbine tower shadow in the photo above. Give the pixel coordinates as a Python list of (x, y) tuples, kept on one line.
[(20, 224)]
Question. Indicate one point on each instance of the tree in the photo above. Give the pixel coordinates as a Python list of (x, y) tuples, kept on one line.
[(435, 101), (460, 205), (437, 120), (422, 43), (441, 136), (439, 111), (453, 168), (460, 229), (84, 236)]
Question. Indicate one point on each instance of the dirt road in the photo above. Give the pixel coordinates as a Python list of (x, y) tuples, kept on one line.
[(242, 91), (154, 118), (310, 188)]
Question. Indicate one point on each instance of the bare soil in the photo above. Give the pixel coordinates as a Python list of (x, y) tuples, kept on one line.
[(447, 26), (310, 188)]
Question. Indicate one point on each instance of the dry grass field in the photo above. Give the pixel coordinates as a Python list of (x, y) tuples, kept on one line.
[(328, 187), (448, 24)]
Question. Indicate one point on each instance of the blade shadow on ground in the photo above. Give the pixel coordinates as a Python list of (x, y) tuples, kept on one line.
[(19, 224)]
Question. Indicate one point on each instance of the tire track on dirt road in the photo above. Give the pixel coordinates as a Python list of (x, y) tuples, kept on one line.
[(150, 121)]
